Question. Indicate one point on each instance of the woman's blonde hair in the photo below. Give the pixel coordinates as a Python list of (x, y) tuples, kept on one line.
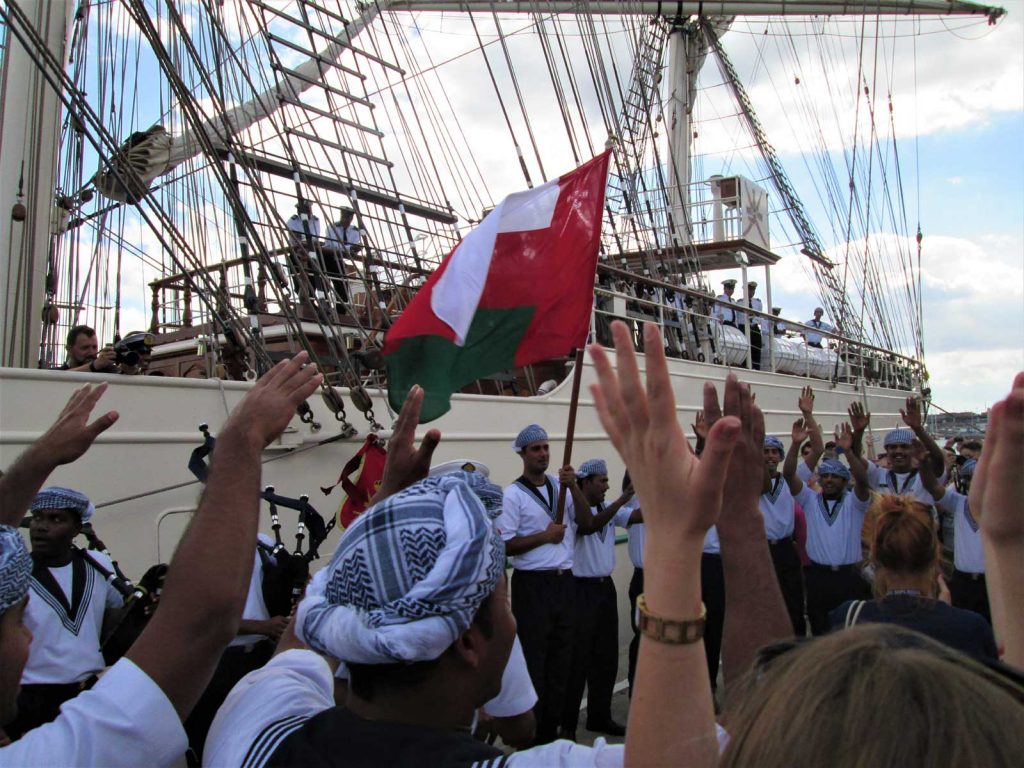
[(875, 695), (902, 538)]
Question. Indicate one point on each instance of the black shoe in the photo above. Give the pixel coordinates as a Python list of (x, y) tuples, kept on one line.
[(609, 727)]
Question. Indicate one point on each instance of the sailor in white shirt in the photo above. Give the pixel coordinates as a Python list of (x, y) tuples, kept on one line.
[(778, 509), (967, 588), (541, 551), (70, 598), (902, 477), (722, 311), (835, 516), (596, 635), (814, 339)]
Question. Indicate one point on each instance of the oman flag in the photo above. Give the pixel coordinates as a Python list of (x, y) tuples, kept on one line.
[(517, 289)]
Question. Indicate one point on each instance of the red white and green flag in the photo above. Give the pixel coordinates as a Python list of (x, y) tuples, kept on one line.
[(516, 290)]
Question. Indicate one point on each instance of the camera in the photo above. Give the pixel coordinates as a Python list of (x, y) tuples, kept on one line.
[(130, 349)]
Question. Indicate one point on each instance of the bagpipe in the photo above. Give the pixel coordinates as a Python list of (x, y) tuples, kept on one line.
[(140, 600), (285, 572)]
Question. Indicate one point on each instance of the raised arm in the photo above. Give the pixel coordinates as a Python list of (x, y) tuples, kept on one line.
[(928, 479), (806, 403), (666, 728), (914, 419), (859, 421), (209, 576), (755, 613), (797, 437), (65, 441), (586, 521), (858, 467), (995, 499)]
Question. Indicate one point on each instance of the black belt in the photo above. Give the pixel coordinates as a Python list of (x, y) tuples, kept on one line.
[(835, 568), (546, 572), (81, 685), (969, 575), (594, 579), (776, 542)]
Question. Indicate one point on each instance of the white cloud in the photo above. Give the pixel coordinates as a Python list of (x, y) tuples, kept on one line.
[(973, 380)]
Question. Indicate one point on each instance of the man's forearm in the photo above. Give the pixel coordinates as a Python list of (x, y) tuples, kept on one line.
[(520, 545), (20, 484)]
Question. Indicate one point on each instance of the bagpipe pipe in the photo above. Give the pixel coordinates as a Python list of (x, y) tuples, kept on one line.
[(140, 600), (285, 572)]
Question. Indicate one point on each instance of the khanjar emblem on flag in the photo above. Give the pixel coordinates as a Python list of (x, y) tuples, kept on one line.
[(517, 289)]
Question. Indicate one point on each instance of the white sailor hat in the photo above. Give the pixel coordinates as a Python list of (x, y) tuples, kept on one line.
[(752, 284), (729, 283), (460, 465)]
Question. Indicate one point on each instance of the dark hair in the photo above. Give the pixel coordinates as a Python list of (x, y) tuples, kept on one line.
[(79, 330), (368, 680), (904, 538), (971, 445)]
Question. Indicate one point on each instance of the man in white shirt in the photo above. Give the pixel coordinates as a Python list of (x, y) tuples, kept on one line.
[(756, 324), (133, 714), (596, 633), (835, 516), (541, 550), (814, 339), (70, 600), (778, 509), (723, 311)]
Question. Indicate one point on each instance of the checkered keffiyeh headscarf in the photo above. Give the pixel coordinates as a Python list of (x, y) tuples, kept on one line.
[(770, 441), (56, 497), (899, 437), (833, 467), (592, 467), (407, 578), (15, 567), (527, 435)]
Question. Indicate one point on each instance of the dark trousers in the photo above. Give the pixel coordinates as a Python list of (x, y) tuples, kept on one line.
[(790, 575), (828, 589), (542, 602), (235, 663), (40, 704), (636, 588), (712, 592), (595, 651), (969, 592)]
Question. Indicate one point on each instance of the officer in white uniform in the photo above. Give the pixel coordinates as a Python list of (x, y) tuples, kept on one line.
[(814, 339), (70, 598), (778, 509), (723, 312), (750, 300), (541, 551), (596, 634)]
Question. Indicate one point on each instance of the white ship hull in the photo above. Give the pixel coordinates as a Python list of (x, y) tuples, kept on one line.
[(137, 473)]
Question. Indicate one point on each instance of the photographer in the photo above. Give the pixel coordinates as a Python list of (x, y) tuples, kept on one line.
[(84, 353), (133, 354)]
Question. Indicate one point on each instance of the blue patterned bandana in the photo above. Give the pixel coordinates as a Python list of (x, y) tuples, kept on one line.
[(530, 434), (55, 497), (15, 567), (407, 578), (833, 467), (770, 441), (899, 437), (591, 468)]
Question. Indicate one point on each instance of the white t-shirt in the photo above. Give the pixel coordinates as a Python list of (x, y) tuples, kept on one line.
[(815, 338), (595, 552), (524, 514), (517, 693), (248, 729), (968, 554), (255, 605), (66, 637), (125, 720), (833, 527), (887, 481), (778, 509)]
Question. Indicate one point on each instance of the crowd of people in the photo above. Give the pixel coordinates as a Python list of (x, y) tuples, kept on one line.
[(806, 576)]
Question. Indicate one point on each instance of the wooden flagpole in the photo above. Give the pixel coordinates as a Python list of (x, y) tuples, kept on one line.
[(577, 375)]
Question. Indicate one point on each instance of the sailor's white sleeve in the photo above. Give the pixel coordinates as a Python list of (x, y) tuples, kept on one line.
[(125, 720), (268, 705), (517, 693)]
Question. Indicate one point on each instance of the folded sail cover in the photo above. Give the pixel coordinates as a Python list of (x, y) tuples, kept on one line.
[(517, 289)]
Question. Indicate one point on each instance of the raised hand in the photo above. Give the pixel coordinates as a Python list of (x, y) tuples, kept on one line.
[(799, 432), (567, 476), (912, 416), (844, 436), (859, 418), (72, 434), (998, 484), (806, 401), (269, 406), (700, 426), (746, 468), (406, 463), (555, 532), (644, 428)]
